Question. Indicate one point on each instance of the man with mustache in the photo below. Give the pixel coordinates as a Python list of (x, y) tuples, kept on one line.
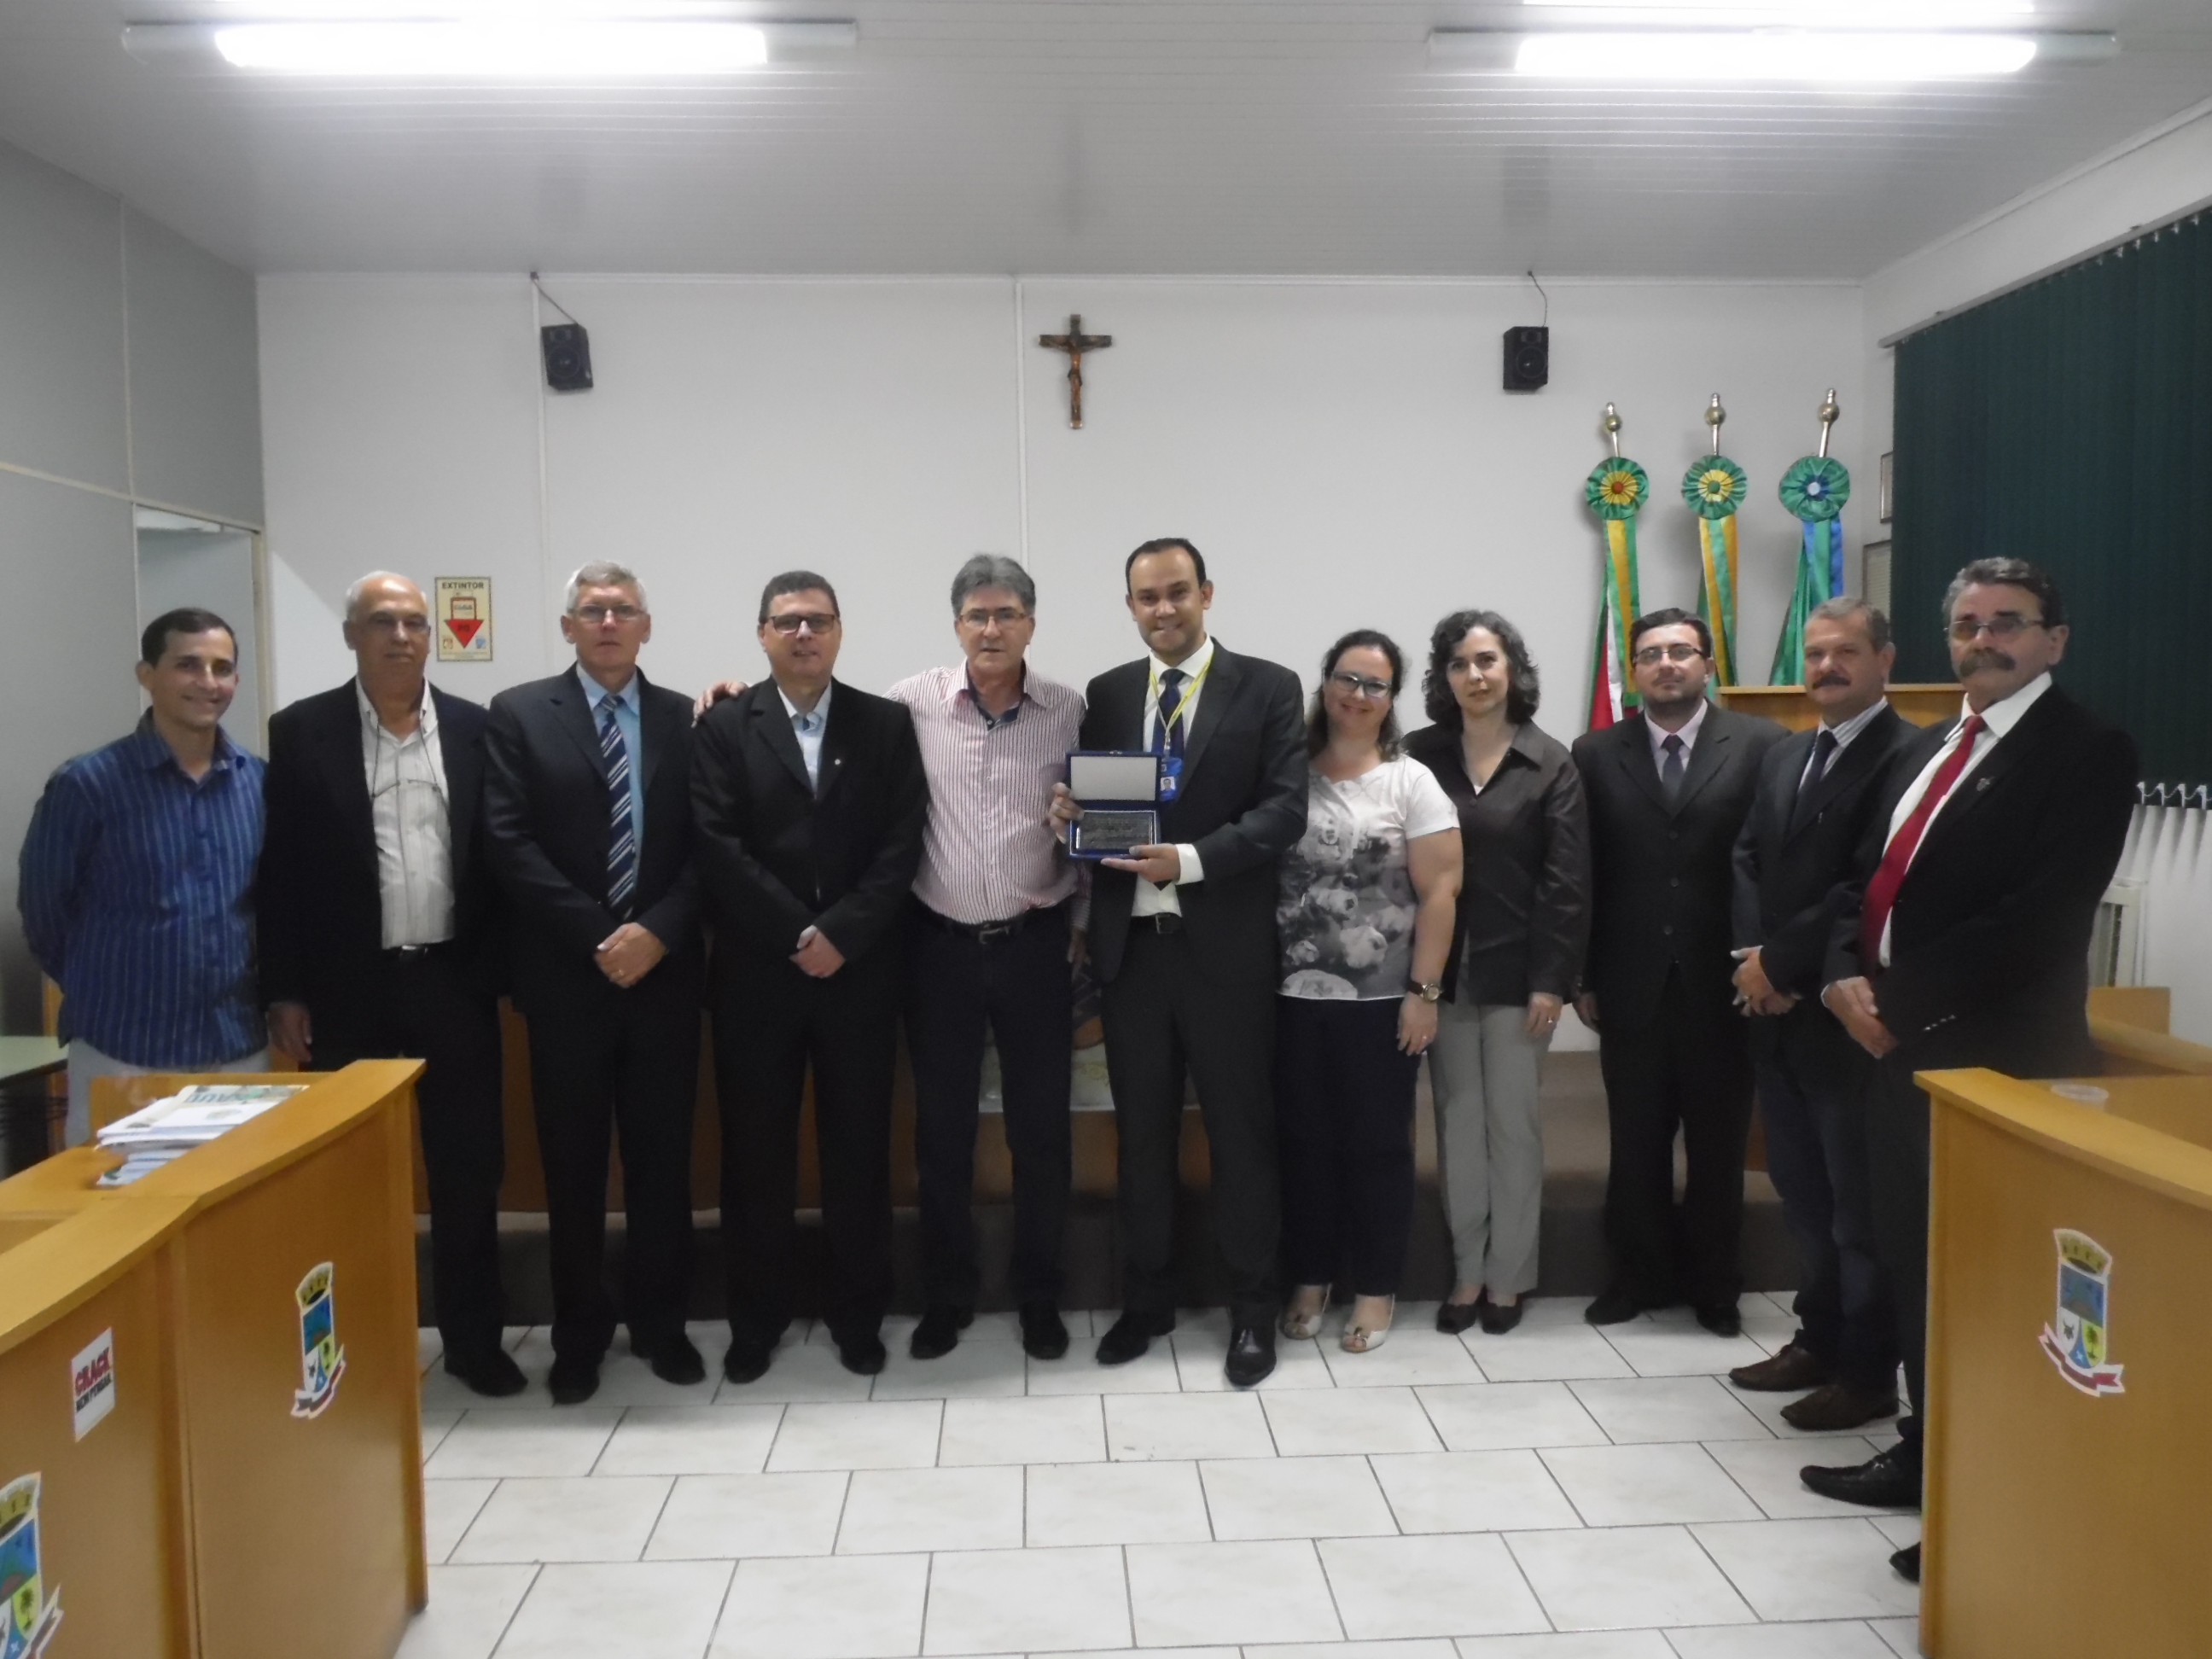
[(1668, 790), (1968, 943), (1818, 792)]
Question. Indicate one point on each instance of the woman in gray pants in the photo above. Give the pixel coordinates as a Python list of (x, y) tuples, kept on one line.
[(1516, 953)]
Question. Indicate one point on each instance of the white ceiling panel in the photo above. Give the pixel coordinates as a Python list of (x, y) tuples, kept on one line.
[(1101, 136)]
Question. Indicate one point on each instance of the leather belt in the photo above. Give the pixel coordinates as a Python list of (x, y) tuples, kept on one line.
[(983, 932), (1160, 921)]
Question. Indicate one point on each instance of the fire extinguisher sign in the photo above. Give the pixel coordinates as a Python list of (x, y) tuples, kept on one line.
[(464, 619)]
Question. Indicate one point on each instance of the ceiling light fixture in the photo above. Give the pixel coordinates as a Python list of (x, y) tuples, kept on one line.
[(1821, 14), (1773, 55), (488, 48)]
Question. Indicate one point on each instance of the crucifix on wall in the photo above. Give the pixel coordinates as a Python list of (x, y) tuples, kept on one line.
[(1075, 342)]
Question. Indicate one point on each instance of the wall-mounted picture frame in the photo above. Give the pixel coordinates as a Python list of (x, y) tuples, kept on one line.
[(1884, 499)]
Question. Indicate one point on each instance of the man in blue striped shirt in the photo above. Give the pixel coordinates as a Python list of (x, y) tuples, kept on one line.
[(136, 884)]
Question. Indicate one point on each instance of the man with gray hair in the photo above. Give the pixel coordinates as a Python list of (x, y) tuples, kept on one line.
[(1818, 790), (587, 815), (992, 941)]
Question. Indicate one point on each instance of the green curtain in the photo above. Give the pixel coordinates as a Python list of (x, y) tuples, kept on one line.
[(2070, 423)]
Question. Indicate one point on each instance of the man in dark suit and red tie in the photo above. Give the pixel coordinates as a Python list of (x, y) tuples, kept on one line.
[(379, 931), (1668, 790), (587, 815), (1183, 939), (1818, 792), (808, 800), (1969, 943)]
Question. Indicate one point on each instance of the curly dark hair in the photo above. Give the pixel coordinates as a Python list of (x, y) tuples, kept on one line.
[(1317, 716), (1523, 690)]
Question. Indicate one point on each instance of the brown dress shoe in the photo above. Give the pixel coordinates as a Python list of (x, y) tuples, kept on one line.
[(1839, 1406), (1786, 1372)]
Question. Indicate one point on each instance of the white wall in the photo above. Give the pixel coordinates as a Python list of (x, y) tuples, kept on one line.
[(1340, 450)]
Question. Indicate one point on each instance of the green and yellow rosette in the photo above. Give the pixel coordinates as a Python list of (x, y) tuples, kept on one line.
[(1615, 490), (1815, 489), (1714, 487)]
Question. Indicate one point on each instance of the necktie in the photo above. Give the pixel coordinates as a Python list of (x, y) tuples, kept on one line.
[(1897, 857), (622, 838), (1824, 747), (1670, 769), (1171, 732)]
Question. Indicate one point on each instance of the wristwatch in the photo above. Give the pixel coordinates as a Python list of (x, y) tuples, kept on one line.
[(1432, 992)]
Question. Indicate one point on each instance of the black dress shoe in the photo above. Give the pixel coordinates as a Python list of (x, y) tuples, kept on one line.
[(1251, 1354), (1907, 1561), (493, 1374), (1616, 1306), (1044, 1334), (574, 1380), (1888, 1480), (862, 1355), (1131, 1334), (1453, 1317), (1721, 1318), (747, 1359), (1497, 1321), (674, 1360), (939, 1333)]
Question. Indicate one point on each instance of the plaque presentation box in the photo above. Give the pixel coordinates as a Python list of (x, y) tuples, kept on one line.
[(1120, 794)]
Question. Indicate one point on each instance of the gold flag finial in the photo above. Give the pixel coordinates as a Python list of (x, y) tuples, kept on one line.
[(1611, 427), (1714, 415), (1830, 410)]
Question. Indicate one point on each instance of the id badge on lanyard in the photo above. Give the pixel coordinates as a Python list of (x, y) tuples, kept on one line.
[(1170, 775)]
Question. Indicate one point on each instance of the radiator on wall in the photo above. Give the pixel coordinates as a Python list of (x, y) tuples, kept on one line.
[(2116, 944)]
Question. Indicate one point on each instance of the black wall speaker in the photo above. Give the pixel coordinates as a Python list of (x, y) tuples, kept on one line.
[(568, 357), (1528, 358)]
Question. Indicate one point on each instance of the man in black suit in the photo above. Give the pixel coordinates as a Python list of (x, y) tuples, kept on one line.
[(379, 931), (809, 802), (587, 814), (1182, 940), (1968, 943), (1818, 791), (1668, 789)]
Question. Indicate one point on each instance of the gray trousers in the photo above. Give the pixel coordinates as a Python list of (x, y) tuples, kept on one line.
[(1483, 1070)]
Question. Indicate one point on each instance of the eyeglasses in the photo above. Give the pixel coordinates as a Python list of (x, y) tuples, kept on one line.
[(1005, 617), (593, 614), (818, 621), (1359, 685), (1652, 655), (2003, 626)]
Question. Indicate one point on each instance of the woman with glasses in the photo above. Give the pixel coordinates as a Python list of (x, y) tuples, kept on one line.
[(1364, 915), (1516, 952)]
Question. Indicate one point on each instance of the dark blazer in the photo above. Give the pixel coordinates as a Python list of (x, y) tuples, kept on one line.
[(321, 910), (1791, 883), (773, 856), (1989, 939), (1664, 878), (547, 827), (1241, 802), (1523, 922)]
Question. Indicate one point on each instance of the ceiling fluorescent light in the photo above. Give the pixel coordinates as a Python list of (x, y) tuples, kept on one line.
[(1825, 14), (1771, 55), (488, 48)]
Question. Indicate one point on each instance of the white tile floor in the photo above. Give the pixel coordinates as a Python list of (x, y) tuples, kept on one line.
[(1559, 1492)]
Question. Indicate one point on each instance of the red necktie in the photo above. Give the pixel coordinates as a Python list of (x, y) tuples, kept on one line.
[(1897, 857)]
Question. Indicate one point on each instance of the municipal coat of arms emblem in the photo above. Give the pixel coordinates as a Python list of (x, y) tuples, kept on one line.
[(28, 1616), (322, 1357), (2078, 1340)]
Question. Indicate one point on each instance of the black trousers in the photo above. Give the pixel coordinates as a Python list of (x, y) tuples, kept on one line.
[(1020, 986), (1163, 1013), (1686, 1068), (1897, 1140), (605, 1058), (1813, 1085), (1344, 1111), (773, 1024), (427, 1006)]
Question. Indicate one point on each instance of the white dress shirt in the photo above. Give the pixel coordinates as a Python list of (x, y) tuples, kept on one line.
[(1152, 899), (1688, 734), (414, 826), (1998, 720), (808, 727), (1849, 729)]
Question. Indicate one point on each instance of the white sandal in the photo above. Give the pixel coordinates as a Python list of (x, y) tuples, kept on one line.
[(1299, 1325), (1359, 1339)]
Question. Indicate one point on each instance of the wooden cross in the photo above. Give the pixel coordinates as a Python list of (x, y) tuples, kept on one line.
[(1075, 342)]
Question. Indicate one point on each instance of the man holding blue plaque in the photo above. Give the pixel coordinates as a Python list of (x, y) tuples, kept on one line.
[(1182, 940)]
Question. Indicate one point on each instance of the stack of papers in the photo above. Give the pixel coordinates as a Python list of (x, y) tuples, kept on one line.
[(158, 1134)]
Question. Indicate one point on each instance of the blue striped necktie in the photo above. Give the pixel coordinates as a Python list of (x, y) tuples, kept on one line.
[(622, 838), (1172, 731)]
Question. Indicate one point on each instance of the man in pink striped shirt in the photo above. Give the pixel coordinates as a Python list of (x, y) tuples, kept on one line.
[(993, 940)]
